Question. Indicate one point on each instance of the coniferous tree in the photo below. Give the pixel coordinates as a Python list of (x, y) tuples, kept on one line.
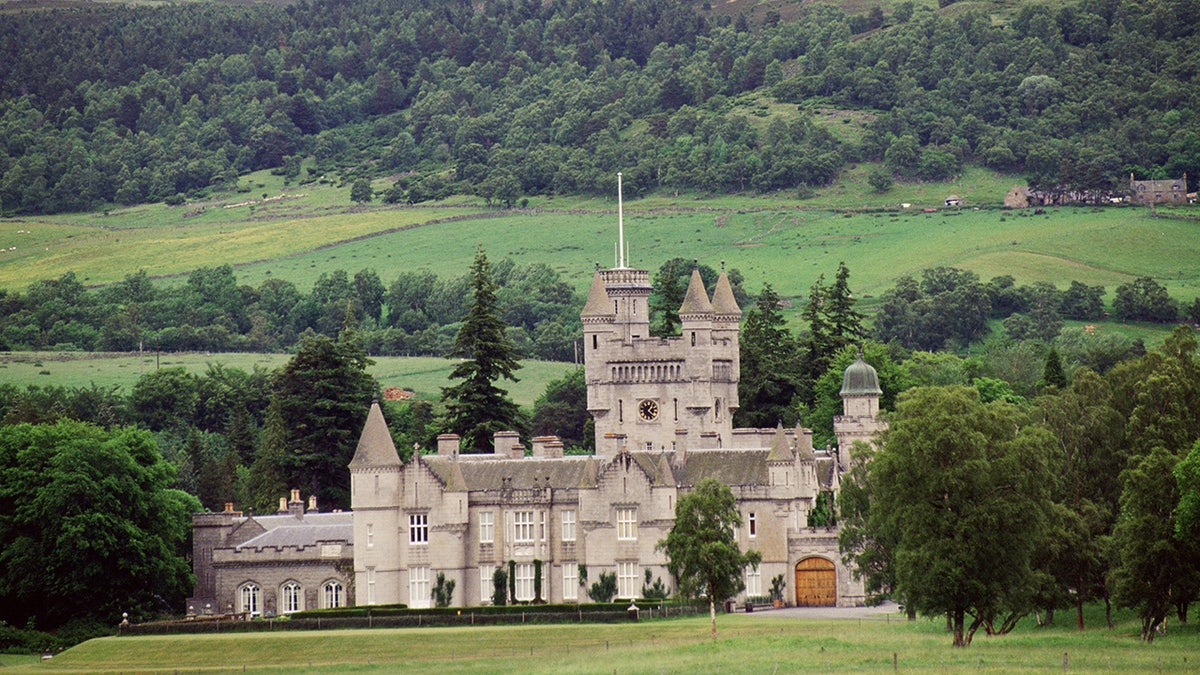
[(475, 407), (769, 366), (266, 478), (845, 323), (818, 344), (1053, 375)]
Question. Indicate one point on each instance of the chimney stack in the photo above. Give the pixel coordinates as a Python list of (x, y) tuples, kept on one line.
[(447, 445), (312, 503)]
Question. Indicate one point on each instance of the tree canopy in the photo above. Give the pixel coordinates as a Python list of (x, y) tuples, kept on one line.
[(89, 525)]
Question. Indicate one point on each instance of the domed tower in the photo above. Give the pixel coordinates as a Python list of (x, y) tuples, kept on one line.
[(859, 420)]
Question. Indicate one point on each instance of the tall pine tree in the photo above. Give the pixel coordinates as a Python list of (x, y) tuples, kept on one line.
[(475, 407), (845, 323), (770, 372)]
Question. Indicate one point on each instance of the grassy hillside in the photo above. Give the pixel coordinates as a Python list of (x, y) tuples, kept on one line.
[(776, 239), (767, 642), (423, 375)]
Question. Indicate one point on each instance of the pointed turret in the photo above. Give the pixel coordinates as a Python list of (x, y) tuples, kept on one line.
[(781, 451), (375, 446), (696, 302), (598, 305), (723, 303)]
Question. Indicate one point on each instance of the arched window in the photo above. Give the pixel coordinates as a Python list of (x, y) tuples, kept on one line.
[(248, 596), (333, 594), (291, 598)]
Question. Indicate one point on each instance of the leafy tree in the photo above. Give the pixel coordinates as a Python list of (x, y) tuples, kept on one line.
[(323, 394), (165, 399), (1083, 302), (475, 407), (89, 513), (769, 366), (702, 550), (1090, 440), (361, 191), (561, 411), (881, 180), (827, 398), (1154, 567), (1144, 299), (960, 489)]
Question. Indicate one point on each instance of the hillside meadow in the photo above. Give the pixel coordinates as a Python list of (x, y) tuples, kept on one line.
[(300, 232), (423, 375), (766, 642)]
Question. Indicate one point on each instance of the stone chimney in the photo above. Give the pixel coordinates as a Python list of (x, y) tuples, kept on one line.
[(547, 446), (228, 507), (283, 505), (503, 442), (447, 445), (516, 451), (312, 503), (295, 505)]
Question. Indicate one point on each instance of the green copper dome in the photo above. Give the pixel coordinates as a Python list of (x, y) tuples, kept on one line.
[(860, 379)]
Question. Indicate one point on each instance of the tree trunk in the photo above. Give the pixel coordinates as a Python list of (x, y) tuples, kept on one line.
[(712, 614), (956, 617), (1181, 610), (1079, 614), (1108, 611)]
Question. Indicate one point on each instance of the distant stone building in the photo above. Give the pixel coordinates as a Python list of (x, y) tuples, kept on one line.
[(1158, 191), (272, 564)]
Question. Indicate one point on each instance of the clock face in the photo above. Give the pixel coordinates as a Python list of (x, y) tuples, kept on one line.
[(648, 410)]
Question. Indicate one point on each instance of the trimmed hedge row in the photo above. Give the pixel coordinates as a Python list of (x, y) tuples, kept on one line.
[(396, 618)]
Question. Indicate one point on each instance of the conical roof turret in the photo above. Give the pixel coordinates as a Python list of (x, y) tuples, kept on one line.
[(598, 305), (781, 451), (696, 301), (723, 302), (375, 446), (860, 379)]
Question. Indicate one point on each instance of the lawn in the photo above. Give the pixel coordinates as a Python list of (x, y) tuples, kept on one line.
[(766, 642), (424, 375)]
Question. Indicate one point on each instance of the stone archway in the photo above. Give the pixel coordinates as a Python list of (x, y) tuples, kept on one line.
[(816, 583)]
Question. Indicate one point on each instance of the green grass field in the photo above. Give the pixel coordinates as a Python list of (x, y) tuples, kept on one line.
[(423, 375), (766, 642)]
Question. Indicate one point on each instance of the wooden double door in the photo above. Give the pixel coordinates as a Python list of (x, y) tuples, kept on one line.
[(816, 583)]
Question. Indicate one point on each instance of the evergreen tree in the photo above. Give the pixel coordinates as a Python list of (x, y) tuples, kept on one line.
[(266, 480), (670, 287), (770, 373), (845, 324), (324, 393), (1053, 375), (475, 407), (818, 344)]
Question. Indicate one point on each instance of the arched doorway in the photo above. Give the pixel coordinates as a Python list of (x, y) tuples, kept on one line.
[(816, 583)]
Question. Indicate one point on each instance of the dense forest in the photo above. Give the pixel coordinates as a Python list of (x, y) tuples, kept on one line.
[(124, 105)]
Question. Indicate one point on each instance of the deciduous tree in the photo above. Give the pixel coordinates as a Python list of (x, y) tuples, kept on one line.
[(702, 550)]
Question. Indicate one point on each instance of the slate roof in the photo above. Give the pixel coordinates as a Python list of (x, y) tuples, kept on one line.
[(288, 530)]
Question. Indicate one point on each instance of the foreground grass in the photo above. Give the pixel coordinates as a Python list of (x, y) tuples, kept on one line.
[(424, 375), (760, 643)]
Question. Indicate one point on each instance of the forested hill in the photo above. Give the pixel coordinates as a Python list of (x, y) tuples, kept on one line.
[(123, 105)]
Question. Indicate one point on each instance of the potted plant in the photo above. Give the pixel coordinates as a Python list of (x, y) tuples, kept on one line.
[(777, 591)]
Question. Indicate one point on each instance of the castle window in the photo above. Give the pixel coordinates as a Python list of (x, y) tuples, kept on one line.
[(752, 525), (568, 525), (418, 528), (370, 585), (486, 584), (332, 593), (418, 587), (291, 598), (693, 338), (524, 582), (627, 524), (595, 342), (370, 535), (248, 596), (487, 527), (570, 581), (753, 581), (523, 527), (541, 526), (627, 580)]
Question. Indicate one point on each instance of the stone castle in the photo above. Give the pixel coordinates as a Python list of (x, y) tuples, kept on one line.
[(663, 411)]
